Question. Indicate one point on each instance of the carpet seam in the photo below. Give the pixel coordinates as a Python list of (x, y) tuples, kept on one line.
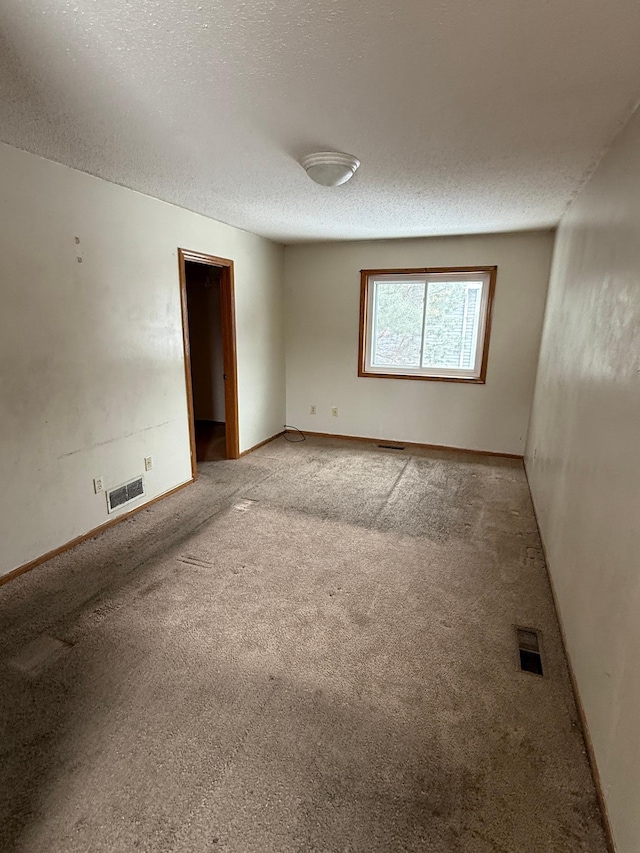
[(392, 489)]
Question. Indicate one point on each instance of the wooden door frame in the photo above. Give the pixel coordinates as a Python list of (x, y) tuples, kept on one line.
[(229, 354)]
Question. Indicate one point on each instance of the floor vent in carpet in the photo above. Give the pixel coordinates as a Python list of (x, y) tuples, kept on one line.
[(391, 446), (244, 504), (529, 651)]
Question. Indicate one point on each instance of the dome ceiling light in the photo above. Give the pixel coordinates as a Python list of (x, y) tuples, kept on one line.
[(330, 168)]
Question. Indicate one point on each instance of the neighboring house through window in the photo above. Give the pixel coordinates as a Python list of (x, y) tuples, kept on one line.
[(426, 323)]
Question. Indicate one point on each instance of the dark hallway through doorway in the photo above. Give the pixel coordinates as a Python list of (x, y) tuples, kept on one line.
[(207, 359), (210, 356)]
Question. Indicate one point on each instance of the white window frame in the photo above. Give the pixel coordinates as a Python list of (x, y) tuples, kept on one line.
[(370, 279)]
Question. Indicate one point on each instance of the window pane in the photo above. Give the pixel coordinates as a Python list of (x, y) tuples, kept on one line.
[(451, 325), (398, 308)]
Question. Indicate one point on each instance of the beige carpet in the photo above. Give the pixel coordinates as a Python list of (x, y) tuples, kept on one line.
[(310, 649)]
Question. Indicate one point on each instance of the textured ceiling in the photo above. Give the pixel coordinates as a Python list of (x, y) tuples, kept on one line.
[(468, 116)]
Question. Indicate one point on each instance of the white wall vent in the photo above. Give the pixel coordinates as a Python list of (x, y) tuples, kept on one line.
[(125, 493)]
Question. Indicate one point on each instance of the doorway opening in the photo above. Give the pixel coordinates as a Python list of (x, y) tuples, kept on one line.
[(209, 334)]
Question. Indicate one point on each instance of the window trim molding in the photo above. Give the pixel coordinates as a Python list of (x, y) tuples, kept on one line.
[(365, 276)]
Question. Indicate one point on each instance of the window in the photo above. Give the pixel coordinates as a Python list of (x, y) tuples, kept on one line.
[(426, 323)]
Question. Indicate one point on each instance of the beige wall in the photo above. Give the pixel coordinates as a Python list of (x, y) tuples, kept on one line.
[(322, 316), (91, 360), (583, 460)]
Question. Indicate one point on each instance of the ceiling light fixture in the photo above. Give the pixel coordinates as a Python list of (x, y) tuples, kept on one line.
[(330, 168)]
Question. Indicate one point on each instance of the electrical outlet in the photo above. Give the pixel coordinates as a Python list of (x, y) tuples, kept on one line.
[(334, 411), (312, 410), (98, 485), (148, 463)]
